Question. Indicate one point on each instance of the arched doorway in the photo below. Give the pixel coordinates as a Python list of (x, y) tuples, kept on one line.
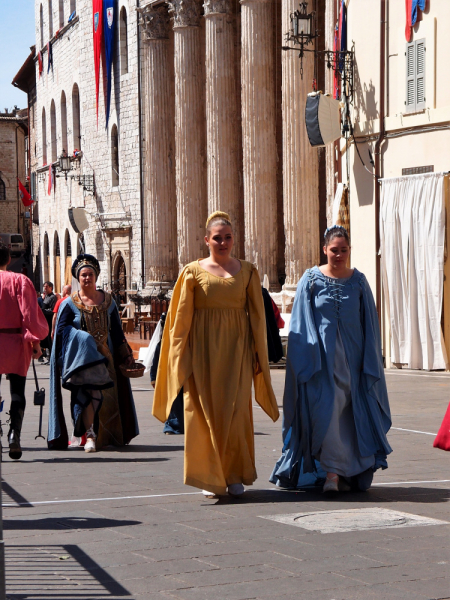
[(68, 265), (57, 252), (119, 277)]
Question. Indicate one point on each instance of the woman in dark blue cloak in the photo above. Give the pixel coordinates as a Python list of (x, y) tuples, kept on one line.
[(336, 408)]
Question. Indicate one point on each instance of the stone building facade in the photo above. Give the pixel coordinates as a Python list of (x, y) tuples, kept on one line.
[(223, 116), (207, 114), (66, 121), (13, 165)]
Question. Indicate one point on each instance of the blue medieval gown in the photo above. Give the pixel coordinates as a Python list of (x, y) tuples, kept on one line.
[(336, 408), (88, 338)]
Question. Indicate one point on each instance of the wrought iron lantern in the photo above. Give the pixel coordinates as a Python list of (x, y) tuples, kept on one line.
[(302, 32), (64, 162)]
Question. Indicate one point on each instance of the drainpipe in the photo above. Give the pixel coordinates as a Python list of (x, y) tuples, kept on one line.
[(141, 170), (378, 153)]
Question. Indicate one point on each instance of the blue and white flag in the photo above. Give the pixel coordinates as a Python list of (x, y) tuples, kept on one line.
[(109, 27)]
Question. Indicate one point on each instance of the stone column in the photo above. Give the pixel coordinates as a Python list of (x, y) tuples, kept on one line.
[(331, 149), (189, 131), (222, 137), (300, 163), (259, 136), (159, 165)]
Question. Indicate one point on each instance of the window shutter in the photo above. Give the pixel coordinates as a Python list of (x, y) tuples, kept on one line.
[(410, 102), (420, 75)]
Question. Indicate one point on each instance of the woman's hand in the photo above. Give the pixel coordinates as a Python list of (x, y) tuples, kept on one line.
[(129, 361), (37, 352)]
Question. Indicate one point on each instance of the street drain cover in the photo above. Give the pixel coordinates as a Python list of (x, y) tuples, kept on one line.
[(353, 519)]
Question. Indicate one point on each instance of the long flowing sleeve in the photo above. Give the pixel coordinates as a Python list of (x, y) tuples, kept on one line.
[(175, 362), (34, 322), (264, 394)]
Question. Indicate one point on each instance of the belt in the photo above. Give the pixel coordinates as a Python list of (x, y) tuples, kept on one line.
[(11, 330)]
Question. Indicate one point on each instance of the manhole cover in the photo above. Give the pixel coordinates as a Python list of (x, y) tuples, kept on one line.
[(354, 519)]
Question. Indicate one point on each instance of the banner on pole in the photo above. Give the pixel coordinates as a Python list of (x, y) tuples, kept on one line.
[(109, 15), (97, 22)]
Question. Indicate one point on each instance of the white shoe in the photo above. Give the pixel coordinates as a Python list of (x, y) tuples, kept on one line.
[(90, 445), (331, 485), (208, 494), (236, 490)]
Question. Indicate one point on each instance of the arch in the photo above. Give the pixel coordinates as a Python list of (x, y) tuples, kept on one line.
[(68, 257), (61, 14), (41, 24), (2, 189), (50, 19), (119, 276), (64, 122), (123, 41), (73, 6), (44, 137), (53, 142), (46, 258), (115, 179), (76, 128), (57, 264)]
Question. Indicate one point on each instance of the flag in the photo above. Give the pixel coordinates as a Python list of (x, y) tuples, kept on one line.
[(97, 23), (408, 28), (50, 56), (416, 4), (109, 16), (41, 66), (336, 76), (50, 180), (24, 195)]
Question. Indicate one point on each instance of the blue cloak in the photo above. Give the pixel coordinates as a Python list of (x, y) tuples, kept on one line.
[(321, 306), (75, 351)]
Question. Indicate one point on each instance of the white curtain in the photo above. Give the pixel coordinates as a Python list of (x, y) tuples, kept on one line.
[(412, 233)]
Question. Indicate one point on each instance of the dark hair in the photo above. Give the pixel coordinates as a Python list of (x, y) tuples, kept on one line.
[(4, 255), (49, 283), (335, 231)]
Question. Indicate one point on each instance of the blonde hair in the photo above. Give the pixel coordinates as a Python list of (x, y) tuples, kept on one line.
[(217, 218)]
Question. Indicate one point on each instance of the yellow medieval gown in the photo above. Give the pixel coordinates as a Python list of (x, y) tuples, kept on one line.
[(214, 344)]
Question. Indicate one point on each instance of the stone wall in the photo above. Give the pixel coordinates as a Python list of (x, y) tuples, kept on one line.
[(73, 68), (12, 165)]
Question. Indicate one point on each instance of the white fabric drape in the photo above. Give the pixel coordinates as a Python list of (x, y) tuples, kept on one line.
[(337, 202), (412, 234)]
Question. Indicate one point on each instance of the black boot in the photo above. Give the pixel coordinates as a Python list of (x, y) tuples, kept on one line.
[(15, 427)]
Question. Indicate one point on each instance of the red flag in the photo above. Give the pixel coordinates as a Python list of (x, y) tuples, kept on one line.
[(24, 195), (97, 23), (408, 27), (50, 180), (41, 64)]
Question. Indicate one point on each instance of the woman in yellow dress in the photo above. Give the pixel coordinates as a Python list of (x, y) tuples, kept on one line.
[(214, 344)]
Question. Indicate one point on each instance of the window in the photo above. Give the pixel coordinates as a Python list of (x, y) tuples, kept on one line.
[(415, 76), (33, 185), (44, 138), (50, 20), (61, 14), (76, 118), (54, 148), (2, 189), (114, 156), (123, 41), (64, 122), (41, 24)]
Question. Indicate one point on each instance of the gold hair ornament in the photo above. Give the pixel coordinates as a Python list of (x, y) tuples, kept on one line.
[(218, 214)]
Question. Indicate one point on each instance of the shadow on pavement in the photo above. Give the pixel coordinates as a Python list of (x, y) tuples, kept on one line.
[(98, 458), (373, 495), (55, 523), (62, 572)]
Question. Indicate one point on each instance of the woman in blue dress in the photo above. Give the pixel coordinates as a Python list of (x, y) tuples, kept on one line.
[(336, 408)]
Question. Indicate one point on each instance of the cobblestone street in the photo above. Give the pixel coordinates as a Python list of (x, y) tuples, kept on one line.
[(120, 524)]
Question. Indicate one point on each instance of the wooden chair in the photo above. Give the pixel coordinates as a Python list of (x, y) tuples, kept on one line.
[(128, 324)]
